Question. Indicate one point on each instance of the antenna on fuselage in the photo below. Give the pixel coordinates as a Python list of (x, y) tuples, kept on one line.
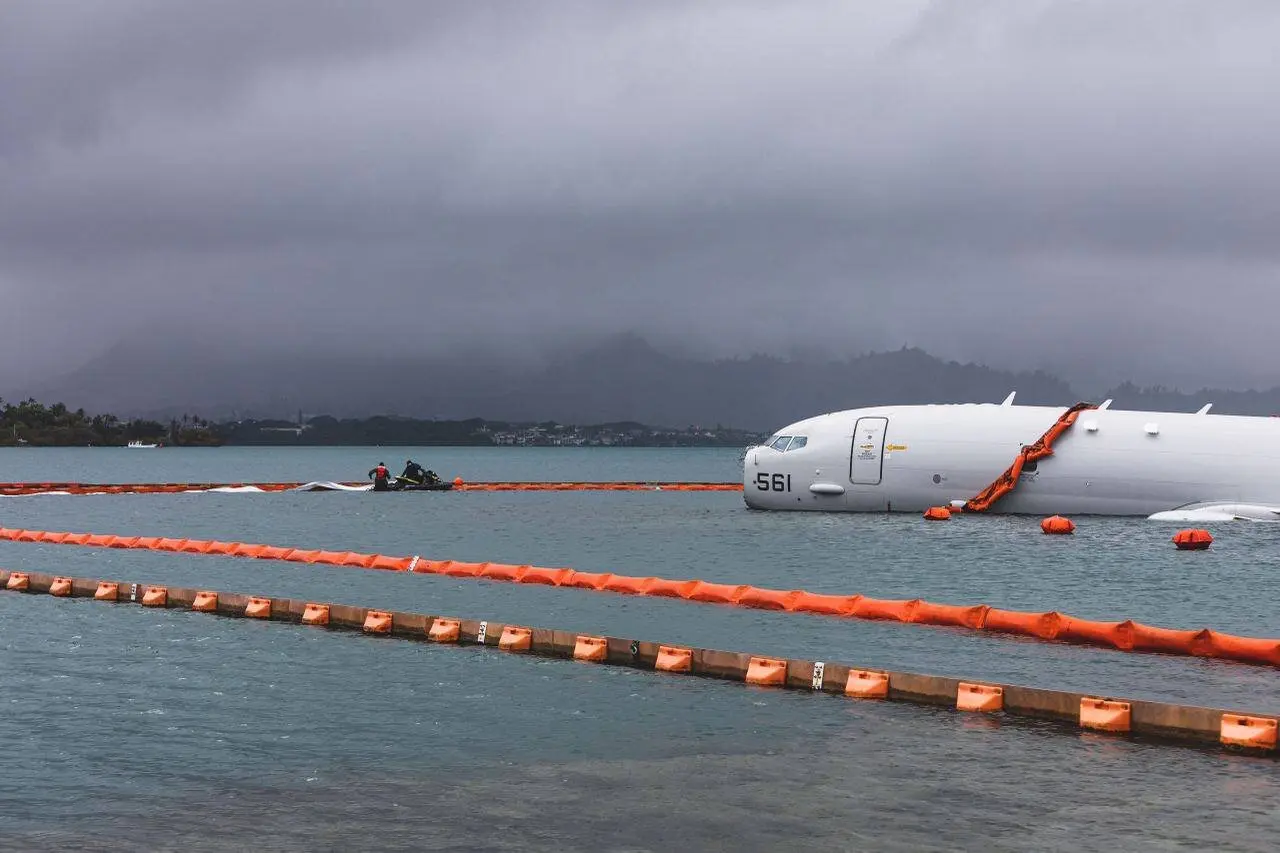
[(1008, 401)]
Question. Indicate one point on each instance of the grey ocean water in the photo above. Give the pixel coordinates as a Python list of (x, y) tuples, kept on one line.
[(133, 729)]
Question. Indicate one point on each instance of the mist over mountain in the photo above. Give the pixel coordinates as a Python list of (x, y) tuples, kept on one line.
[(623, 378)]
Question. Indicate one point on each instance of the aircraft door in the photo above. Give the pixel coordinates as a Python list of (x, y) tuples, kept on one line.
[(867, 458)]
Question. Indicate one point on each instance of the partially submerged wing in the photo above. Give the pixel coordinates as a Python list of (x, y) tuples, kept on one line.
[(1219, 512)]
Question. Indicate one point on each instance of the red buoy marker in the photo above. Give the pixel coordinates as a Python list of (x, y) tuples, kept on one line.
[(1192, 540), (1057, 525)]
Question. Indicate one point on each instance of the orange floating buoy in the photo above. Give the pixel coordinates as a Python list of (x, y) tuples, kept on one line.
[(206, 601), (107, 591), (457, 481), (937, 513), (1104, 715), (258, 608), (1192, 540), (377, 622), (20, 581), (60, 586), (1255, 732), (1057, 525), (156, 596), (979, 697), (515, 639), (590, 649), (770, 672), (315, 614), (673, 659), (445, 630), (863, 684)]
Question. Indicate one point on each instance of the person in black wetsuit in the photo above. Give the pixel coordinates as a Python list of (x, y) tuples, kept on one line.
[(381, 476), (413, 473)]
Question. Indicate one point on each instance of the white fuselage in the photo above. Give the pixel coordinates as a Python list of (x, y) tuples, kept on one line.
[(908, 458)]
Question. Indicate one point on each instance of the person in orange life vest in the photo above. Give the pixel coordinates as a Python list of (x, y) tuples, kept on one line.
[(380, 475)]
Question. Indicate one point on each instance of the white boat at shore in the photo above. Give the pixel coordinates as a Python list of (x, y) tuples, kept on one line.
[(136, 444)]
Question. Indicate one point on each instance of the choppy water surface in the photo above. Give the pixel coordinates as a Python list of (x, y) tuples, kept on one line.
[(167, 730)]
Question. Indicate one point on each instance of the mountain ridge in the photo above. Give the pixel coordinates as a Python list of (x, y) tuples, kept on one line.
[(623, 378)]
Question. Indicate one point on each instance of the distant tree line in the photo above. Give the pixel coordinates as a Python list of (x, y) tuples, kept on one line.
[(379, 430), (476, 432), (33, 424), (30, 423)]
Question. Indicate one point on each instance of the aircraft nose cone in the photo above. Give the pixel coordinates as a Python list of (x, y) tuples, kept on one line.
[(748, 465)]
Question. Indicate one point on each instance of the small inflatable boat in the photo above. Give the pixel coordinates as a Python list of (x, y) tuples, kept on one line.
[(419, 487)]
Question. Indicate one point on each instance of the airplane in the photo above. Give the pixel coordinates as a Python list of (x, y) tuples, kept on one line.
[(1041, 460)]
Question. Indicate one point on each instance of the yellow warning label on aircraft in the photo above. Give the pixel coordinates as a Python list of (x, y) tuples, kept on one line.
[(891, 447)]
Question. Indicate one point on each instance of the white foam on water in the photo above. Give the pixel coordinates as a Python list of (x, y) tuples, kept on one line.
[(330, 486)]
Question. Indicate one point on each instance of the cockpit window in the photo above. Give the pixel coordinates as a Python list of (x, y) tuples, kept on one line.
[(780, 443), (798, 442)]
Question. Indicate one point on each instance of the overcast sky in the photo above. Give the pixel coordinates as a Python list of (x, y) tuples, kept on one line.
[(1092, 187)]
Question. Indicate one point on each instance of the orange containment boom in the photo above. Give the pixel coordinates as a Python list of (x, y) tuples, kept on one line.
[(1051, 626), (1201, 725), (1043, 447)]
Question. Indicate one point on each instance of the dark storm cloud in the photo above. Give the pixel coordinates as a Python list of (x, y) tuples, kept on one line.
[(1085, 186)]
